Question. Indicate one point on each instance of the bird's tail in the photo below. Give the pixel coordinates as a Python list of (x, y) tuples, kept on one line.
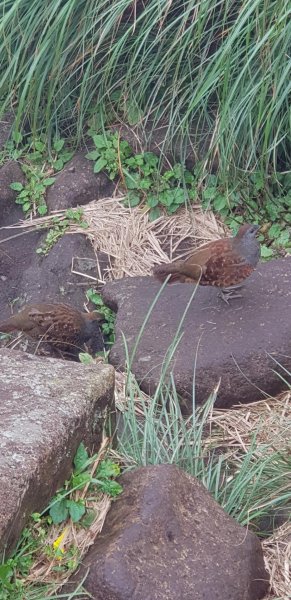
[(175, 270)]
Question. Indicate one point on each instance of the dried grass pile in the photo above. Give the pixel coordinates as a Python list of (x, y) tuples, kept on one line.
[(132, 242)]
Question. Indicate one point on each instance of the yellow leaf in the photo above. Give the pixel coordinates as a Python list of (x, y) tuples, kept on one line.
[(59, 542)]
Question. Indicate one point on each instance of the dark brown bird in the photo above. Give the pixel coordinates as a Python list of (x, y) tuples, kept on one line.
[(58, 324), (222, 263)]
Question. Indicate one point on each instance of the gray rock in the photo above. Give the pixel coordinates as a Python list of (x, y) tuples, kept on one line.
[(236, 343), (47, 408), (10, 212), (166, 538), (76, 184)]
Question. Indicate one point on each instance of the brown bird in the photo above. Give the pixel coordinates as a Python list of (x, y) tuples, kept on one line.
[(58, 324), (222, 263)]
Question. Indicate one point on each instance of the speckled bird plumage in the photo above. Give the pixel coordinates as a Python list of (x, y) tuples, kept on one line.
[(59, 324), (222, 263)]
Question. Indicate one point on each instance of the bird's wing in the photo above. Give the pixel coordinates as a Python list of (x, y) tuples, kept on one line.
[(226, 269)]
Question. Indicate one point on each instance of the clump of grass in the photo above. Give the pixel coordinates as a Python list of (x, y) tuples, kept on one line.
[(247, 480), (222, 66)]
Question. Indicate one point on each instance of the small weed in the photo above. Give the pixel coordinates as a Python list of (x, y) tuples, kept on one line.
[(14, 149), (59, 228), (108, 327), (63, 506), (58, 156), (31, 196), (39, 166)]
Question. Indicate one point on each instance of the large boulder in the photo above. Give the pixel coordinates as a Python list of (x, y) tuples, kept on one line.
[(236, 344), (77, 184), (47, 408), (167, 538)]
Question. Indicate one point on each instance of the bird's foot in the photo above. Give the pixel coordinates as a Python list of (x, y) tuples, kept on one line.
[(227, 294)]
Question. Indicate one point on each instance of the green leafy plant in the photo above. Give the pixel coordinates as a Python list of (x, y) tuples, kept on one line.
[(109, 153), (59, 226), (38, 167), (36, 541), (140, 175), (31, 195), (57, 157), (63, 506), (108, 327)]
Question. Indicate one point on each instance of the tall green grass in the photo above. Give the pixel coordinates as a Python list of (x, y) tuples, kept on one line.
[(218, 64)]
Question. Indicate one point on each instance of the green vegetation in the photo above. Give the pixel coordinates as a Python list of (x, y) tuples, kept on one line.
[(250, 199), (37, 166), (38, 540), (248, 482), (222, 67), (59, 226), (108, 327), (31, 195)]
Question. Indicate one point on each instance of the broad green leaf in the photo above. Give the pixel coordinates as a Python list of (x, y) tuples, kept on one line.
[(108, 468), (100, 164), (81, 479), (152, 200), (23, 194), (6, 573), (154, 214), (88, 519), (16, 186), (39, 146), (85, 358), (76, 509), (59, 511), (178, 196), (81, 457), (42, 209), (58, 144), (100, 141), (209, 193), (283, 238), (133, 199), (266, 252), (26, 206), (48, 181), (134, 114), (220, 202), (112, 488), (274, 230), (132, 182), (93, 155), (58, 164)]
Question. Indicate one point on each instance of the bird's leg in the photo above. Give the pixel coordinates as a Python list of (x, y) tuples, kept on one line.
[(226, 294)]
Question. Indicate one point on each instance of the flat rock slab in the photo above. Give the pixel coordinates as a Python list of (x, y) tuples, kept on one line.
[(47, 408), (166, 538), (236, 343)]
